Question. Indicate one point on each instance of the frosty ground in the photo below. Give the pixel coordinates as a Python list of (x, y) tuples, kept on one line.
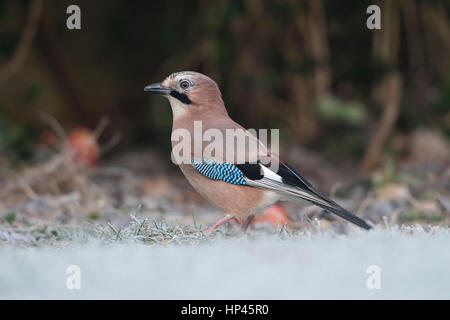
[(162, 261), (136, 232)]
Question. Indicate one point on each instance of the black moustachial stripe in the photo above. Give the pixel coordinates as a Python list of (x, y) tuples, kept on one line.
[(180, 96)]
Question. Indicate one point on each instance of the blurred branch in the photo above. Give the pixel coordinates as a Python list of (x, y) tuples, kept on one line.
[(413, 34), (99, 129), (388, 91), (392, 94), (303, 85), (416, 53), (25, 42), (110, 144), (57, 62), (318, 41), (436, 29), (56, 127), (386, 41), (307, 126)]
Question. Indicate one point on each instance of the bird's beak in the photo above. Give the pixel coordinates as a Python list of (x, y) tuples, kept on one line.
[(156, 88)]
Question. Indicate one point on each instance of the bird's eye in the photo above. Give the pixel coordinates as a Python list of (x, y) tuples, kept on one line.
[(185, 84)]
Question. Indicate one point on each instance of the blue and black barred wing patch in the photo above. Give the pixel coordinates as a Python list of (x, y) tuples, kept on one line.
[(224, 171)]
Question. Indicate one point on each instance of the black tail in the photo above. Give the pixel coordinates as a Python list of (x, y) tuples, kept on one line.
[(293, 177), (344, 214)]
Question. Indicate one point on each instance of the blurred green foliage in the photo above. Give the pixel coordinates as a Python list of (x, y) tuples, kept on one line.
[(10, 217), (334, 109), (16, 142)]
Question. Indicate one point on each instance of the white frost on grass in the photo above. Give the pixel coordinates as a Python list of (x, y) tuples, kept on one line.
[(266, 267)]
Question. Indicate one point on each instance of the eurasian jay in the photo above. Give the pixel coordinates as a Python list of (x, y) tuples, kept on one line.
[(242, 189)]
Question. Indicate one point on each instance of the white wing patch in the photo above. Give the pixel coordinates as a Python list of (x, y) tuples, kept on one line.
[(269, 174)]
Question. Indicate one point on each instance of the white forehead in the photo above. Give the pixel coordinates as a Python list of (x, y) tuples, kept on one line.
[(181, 75)]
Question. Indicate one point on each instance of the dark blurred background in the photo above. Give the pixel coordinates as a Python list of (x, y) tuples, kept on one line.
[(311, 68)]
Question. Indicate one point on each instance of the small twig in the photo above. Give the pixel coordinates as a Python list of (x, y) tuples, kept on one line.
[(56, 127), (101, 127), (27, 188), (363, 206), (114, 141), (193, 218), (334, 188)]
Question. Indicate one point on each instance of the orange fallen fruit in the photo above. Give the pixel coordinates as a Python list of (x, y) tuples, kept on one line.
[(273, 214), (84, 145)]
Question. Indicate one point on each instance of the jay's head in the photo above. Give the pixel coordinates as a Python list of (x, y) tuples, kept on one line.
[(189, 91)]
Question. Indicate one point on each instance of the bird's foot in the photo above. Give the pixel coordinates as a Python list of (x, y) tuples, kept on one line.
[(218, 224)]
